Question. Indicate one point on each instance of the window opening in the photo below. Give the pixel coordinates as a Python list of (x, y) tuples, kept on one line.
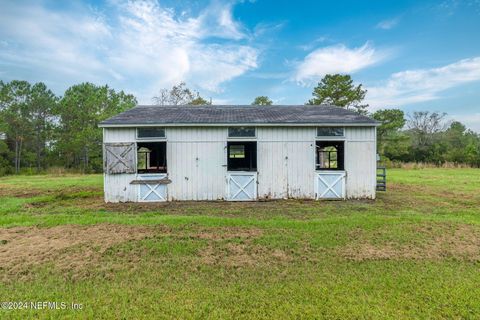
[(329, 155), (242, 156), (152, 157)]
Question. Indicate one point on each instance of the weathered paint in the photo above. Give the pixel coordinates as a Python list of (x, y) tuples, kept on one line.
[(286, 162), (152, 192), (117, 188), (241, 186), (197, 163), (360, 163), (119, 135), (330, 185), (119, 157)]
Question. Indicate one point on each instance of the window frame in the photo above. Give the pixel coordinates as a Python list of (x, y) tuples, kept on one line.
[(244, 138), (342, 153), (251, 157), (153, 139), (137, 159), (330, 137)]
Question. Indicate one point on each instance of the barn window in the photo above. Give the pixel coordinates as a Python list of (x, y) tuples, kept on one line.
[(152, 157), (330, 132), (154, 132), (242, 156), (329, 155), (241, 132)]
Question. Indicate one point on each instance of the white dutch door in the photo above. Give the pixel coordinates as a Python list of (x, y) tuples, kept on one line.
[(241, 164), (154, 191), (330, 163), (330, 185), (242, 186)]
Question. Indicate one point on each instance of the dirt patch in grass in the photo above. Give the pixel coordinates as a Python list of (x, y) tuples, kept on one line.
[(79, 251), (21, 193), (422, 197), (298, 209), (227, 233), (234, 247), (237, 255), (68, 247), (435, 241)]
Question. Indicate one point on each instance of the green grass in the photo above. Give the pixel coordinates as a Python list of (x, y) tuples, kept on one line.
[(412, 253)]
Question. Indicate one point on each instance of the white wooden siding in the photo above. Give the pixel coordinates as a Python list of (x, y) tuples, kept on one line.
[(117, 188), (197, 159), (360, 162), (119, 135), (285, 162)]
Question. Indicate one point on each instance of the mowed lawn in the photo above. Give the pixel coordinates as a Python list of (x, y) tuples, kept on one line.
[(412, 253)]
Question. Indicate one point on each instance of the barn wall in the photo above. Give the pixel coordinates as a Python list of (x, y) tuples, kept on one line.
[(196, 161), (286, 162), (117, 187), (119, 135), (360, 162)]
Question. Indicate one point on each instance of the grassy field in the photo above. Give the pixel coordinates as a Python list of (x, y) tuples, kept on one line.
[(412, 253)]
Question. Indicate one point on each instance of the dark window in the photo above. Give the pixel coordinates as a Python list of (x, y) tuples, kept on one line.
[(240, 132), (329, 155), (152, 157), (330, 132), (151, 133), (242, 156)]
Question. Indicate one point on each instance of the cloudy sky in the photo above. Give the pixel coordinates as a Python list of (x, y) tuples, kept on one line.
[(415, 55)]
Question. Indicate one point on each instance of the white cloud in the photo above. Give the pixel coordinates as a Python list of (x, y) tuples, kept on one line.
[(141, 46), (388, 24), (217, 20), (471, 121), (336, 59), (420, 85), (312, 44)]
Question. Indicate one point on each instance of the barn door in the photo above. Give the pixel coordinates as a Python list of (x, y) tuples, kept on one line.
[(154, 191), (119, 158), (242, 186), (330, 185)]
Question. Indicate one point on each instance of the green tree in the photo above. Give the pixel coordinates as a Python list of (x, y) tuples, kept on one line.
[(14, 108), (5, 166), (262, 101), (472, 149), (199, 101), (339, 90), (391, 141), (79, 140), (5, 156), (42, 104), (425, 130), (461, 144)]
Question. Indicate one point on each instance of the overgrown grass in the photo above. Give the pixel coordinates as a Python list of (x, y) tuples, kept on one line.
[(412, 253)]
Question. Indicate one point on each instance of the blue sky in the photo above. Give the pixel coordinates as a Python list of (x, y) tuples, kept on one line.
[(414, 55)]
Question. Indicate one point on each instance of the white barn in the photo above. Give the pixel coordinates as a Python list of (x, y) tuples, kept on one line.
[(168, 153)]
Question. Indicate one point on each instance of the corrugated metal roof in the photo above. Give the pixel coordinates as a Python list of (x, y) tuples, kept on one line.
[(236, 114)]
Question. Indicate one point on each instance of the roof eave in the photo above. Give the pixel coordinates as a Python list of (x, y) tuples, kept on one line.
[(139, 125)]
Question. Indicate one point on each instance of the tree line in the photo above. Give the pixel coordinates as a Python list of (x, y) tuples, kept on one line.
[(39, 129), (427, 137)]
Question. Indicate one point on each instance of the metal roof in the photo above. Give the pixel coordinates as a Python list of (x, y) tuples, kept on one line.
[(212, 115)]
